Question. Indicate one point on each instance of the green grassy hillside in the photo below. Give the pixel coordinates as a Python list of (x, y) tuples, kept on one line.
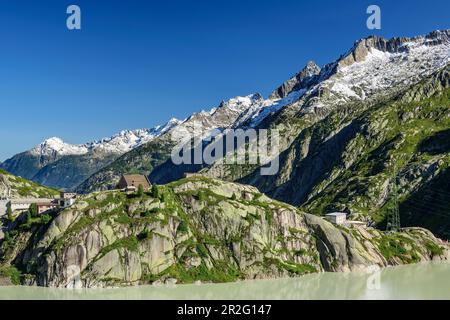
[(23, 188)]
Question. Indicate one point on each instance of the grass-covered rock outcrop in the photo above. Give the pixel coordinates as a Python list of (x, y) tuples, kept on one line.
[(193, 229), (23, 188)]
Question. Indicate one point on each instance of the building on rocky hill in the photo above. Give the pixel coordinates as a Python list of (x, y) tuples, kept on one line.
[(68, 195), (131, 182), (337, 217), (44, 207), (20, 205), (67, 199), (24, 204)]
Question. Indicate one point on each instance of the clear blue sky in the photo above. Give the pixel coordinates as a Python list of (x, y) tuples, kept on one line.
[(135, 64)]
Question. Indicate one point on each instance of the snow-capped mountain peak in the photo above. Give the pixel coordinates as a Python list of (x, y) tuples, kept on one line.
[(241, 104), (375, 65), (302, 80), (54, 145)]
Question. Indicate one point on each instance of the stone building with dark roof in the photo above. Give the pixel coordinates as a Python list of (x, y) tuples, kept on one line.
[(133, 181)]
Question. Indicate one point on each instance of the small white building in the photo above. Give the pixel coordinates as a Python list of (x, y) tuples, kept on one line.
[(65, 203), (337, 217), (67, 199)]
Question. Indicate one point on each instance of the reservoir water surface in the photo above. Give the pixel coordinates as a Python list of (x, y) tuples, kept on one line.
[(421, 281)]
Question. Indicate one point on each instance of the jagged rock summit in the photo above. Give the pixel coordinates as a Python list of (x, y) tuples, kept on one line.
[(302, 80)]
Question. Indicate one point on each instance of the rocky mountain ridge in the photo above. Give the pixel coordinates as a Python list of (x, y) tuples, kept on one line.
[(363, 75), (350, 159), (302, 80)]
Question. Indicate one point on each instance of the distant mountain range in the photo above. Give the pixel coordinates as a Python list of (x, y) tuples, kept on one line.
[(62, 165), (352, 129)]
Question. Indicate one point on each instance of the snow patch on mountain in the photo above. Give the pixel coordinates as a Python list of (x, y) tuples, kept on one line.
[(201, 124), (255, 115), (382, 70), (241, 104)]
